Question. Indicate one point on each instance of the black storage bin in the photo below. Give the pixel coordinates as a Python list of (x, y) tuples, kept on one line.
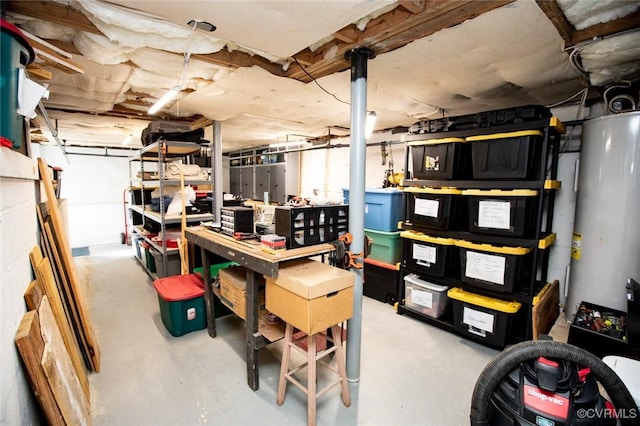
[(381, 281), (496, 268), (433, 256), (503, 213), (515, 155), (440, 159), (485, 319), (306, 226), (435, 208), (609, 340)]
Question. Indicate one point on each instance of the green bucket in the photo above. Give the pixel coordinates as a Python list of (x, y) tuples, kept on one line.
[(15, 53)]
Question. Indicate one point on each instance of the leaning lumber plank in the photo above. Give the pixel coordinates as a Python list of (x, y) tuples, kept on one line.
[(546, 309), (85, 324), (45, 276), (67, 297), (43, 215), (33, 295), (30, 346), (60, 374)]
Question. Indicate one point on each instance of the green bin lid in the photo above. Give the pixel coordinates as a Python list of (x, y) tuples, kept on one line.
[(214, 269)]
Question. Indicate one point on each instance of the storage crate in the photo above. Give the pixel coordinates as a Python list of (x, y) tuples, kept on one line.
[(382, 208), (440, 159), (181, 303), (610, 339), (515, 155), (496, 268), (483, 318), (149, 259), (381, 281), (433, 256), (436, 208), (136, 243), (503, 213), (311, 296), (173, 263), (385, 246), (425, 297), (233, 289), (306, 226)]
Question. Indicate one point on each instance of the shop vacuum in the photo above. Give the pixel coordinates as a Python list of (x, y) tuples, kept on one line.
[(547, 383)]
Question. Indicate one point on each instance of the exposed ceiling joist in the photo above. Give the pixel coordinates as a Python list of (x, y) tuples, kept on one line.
[(391, 31), (67, 16), (571, 36), (53, 12)]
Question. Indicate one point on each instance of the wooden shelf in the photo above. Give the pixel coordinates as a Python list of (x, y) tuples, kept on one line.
[(140, 231), (170, 218), (171, 149)]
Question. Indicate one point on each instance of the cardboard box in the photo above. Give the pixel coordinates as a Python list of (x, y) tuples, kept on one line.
[(233, 289), (310, 295)]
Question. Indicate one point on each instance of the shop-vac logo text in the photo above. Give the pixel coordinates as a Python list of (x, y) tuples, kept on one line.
[(546, 398)]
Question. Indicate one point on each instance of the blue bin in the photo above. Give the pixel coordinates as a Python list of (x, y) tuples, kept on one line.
[(15, 53), (382, 208)]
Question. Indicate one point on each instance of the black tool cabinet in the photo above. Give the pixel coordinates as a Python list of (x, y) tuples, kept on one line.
[(538, 239)]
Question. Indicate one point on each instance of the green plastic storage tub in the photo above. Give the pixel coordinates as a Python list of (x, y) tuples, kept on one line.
[(385, 247), (181, 303)]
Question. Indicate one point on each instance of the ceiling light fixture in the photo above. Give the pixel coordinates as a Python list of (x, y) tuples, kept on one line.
[(163, 100), (370, 123), (196, 24)]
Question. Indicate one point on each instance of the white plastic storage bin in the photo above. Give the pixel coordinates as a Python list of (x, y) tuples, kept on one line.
[(425, 297)]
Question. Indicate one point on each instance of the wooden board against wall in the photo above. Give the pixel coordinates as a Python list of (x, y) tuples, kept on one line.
[(59, 371), (31, 347), (57, 238), (44, 275), (546, 309)]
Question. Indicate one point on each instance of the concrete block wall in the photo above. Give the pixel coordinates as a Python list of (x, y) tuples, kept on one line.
[(18, 234)]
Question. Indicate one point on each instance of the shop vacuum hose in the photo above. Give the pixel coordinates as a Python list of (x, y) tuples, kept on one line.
[(511, 358)]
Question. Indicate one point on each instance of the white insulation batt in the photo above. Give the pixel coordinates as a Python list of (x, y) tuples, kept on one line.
[(510, 56)]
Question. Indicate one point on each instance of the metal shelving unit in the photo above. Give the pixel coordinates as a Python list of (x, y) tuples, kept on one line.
[(545, 184), (141, 213)]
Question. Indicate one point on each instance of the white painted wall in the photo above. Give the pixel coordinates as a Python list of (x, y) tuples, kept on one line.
[(18, 233), (326, 171), (93, 188)]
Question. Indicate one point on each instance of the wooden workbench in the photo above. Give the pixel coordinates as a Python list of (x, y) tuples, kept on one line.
[(258, 264)]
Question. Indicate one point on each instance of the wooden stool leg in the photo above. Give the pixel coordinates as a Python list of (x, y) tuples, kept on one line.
[(311, 385), (284, 366), (342, 371)]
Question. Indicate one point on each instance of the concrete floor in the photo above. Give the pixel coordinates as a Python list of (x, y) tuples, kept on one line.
[(411, 372)]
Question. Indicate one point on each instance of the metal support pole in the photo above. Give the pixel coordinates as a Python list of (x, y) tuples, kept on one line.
[(216, 164), (358, 58)]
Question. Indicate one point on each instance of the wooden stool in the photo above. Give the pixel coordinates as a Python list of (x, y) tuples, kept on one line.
[(312, 357)]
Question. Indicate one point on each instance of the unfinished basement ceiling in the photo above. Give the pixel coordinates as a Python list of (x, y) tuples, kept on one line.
[(434, 58)]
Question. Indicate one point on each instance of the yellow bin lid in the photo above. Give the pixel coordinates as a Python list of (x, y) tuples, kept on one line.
[(457, 293), (517, 251), (501, 192), (413, 235), (442, 191), (504, 135), (436, 141)]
